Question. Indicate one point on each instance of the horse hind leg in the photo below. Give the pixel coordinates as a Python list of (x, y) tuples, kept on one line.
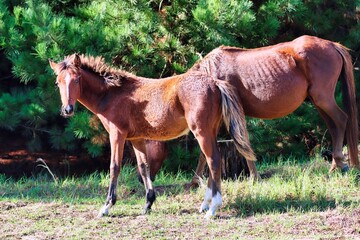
[(144, 169), (150, 192), (205, 205), (335, 120), (253, 171), (212, 200)]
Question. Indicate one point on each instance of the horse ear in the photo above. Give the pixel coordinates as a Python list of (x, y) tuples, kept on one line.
[(77, 60), (54, 66)]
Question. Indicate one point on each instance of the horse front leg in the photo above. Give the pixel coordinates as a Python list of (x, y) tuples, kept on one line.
[(117, 142), (140, 148)]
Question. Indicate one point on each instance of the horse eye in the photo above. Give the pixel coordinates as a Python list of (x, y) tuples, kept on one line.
[(77, 80)]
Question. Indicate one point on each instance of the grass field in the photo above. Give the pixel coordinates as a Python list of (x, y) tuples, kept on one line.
[(295, 201)]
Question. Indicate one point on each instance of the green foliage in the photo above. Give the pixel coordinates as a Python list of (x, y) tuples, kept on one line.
[(224, 23), (152, 39), (288, 135), (182, 157)]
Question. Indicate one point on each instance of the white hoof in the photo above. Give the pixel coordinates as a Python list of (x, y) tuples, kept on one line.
[(209, 214), (215, 204), (204, 207), (104, 211), (207, 199)]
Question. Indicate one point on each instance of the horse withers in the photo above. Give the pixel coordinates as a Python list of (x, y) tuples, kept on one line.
[(136, 108)]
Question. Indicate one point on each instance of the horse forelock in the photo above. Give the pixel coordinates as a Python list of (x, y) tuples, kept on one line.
[(113, 77), (65, 64)]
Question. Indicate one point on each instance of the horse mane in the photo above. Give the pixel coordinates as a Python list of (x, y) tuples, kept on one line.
[(205, 64), (112, 76), (233, 49)]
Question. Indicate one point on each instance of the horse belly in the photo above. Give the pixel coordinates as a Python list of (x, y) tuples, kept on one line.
[(166, 124), (270, 83), (277, 99), (167, 132)]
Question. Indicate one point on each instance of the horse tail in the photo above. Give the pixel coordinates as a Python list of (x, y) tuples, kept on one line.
[(349, 102), (234, 119)]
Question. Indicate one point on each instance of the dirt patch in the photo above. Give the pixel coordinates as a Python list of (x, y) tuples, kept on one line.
[(61, 221), (20, 162), (16, 160)]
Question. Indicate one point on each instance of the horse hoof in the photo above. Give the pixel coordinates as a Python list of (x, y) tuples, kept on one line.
[(100, 215), (104, 211), (146, 211), (345, 169), (204, 208), (209, 215)]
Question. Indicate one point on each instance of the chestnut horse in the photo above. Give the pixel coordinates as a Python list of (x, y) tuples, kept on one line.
[(136, 108), (273, 81)]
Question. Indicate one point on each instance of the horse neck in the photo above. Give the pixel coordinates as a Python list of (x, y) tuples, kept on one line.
[(92, 89)]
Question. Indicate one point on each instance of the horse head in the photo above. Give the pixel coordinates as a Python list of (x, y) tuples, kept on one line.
[(68, 81)]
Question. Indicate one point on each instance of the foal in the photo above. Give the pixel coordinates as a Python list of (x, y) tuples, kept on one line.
[(136, 108)]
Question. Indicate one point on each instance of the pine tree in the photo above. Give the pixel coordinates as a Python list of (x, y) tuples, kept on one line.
[(153, 39)]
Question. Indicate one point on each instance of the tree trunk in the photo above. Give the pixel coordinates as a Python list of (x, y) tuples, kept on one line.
[(233, 165)]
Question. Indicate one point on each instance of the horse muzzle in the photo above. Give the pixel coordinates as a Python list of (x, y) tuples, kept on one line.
[(67, 111)]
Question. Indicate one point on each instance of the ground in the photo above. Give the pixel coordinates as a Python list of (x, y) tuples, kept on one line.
[(63, 221), (174, 216)]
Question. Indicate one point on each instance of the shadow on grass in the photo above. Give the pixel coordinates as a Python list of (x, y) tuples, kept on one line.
[(245, 208), (92, 188), (169, 190)]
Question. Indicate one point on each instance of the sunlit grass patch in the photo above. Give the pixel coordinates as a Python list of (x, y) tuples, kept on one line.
[(292, 186)]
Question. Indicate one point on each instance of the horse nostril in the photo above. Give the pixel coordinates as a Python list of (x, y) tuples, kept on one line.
[(69, 109)]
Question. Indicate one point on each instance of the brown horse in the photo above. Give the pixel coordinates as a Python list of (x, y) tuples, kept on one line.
[(135, 108), (273, 81)]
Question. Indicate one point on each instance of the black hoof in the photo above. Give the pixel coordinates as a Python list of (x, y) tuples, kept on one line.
[(150, 199), (345, 169)]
